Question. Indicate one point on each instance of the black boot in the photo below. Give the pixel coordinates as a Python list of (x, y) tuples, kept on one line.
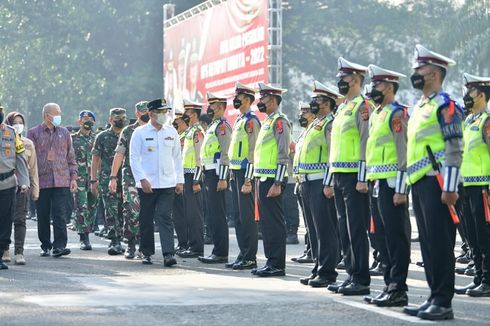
[(115, 247), (2, 264), (130, 249), (85, 242)]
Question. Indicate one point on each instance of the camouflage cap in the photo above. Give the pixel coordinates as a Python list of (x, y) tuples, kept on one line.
[(117, 112), (141, 106)]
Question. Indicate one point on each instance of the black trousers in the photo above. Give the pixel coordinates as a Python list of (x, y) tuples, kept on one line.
[(376, 236), (7, 204), (156, 206), (353, 214), (194, 215), (245, 226), (291, 210), (310, 224), (396, 223), (20, 215), (53, 203), (273, 225), (324, 225), (180, 224), (217, 214), (437, 235), (299, 198), (477, 232)]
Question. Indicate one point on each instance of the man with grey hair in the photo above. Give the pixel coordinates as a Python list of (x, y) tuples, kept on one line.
[(57, 177)]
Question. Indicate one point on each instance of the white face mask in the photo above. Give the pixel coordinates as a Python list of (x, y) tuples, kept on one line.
[(162, 118), (19, 128)]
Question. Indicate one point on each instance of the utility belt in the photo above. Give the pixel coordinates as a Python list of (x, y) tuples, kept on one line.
[(310, 177), (4, 176)]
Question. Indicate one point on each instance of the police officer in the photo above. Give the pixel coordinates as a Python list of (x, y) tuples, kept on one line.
[(178, 215), (475, 170), (215, 163), (305, 119), (241, 154), (102, 157), (347, 163), (386, 162), (131, 202), (271, 157), (14, 174), (435, 126), (313, 171), (85, 202), (193, 205)]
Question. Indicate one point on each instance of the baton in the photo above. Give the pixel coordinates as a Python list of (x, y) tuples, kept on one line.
[(256, 203), (435, 167), (485, 205)]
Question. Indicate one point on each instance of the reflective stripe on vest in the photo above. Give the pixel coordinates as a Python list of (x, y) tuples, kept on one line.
[(475, 168), (381, 155), (211, 149), (238, 150), (345, 146), (188, 152), (313, 155)]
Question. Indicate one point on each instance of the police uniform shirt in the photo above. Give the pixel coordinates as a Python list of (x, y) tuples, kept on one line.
[(155, 155), (223, 133), (12, 159), (283, 138), (252, 128)]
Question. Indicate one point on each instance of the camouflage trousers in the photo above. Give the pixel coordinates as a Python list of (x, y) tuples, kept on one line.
[(130, 206), (113, 211), (85, 208)]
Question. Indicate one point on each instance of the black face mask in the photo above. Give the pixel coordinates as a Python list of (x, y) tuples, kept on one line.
[(376, 96), (210, 113), (469, 102), (118, 123), (186, 118), (87, 125), (315, 107), (237, 103), (262, 107), (145, 118), (343, 87), (303, 122), (176, 126), (418, 81)]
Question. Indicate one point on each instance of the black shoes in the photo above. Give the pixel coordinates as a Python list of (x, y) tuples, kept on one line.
[(268, 271), (392, 299), (354, 289), (341, 264), (304, 259), (378, 270), (307, 279), (169, 260), (435, 312), (292, 239), (146, 260), (189, 254), (470, 271), (2, 265), (413, 311), (213, 259), (58, 252), (335, 287), (180, 249), (320, 282), (115, 248), (130, 250), (245, 264), (85, 242), (483, 290), (230, 265), (369, 299), (45, 253), (464, 258), (208, 239), (463, 289)]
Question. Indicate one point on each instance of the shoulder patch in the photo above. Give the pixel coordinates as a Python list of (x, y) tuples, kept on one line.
[(487, 130), (396, 123), (279, 126), (222, 129), (19, 146), (364, 111), (250, 126)]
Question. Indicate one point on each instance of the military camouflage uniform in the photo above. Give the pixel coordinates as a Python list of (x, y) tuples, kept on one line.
[(104, 146), (85, 201), (131, 202)]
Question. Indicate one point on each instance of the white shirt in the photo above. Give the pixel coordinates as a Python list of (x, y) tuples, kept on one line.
[(155, 155)]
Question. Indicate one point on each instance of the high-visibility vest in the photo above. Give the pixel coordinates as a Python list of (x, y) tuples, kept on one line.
[(188, 152), (239, 146), (313, 157), (475, 168), (211, 148)]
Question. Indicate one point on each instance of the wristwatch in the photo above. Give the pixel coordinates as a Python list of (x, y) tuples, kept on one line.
[(113, 177), (93, 181)]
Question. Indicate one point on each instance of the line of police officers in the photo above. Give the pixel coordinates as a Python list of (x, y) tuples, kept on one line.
[(354, 163)]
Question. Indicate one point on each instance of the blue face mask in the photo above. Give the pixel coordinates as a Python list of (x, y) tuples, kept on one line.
[(57, 120)]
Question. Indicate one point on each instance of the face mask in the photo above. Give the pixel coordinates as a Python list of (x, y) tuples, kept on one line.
[(237, 103), (210, 113), (145, 118), (343, 87), (303, 122), (261, 107), (469, 102), (57, 120), (87, 125), (118, 123), (162, 118), (418, 81), (19, 128), (377, 96), (176, 126), (186, 118), (315, 107)]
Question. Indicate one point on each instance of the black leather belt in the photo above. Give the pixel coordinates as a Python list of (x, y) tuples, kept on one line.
[(7, 175)]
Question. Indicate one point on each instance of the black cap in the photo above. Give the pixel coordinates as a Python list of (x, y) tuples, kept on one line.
[(157, 104)]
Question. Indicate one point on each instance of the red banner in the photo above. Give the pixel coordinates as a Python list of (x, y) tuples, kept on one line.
[(212, 50)]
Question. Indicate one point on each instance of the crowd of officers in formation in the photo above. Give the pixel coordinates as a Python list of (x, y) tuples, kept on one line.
[(356, 160)]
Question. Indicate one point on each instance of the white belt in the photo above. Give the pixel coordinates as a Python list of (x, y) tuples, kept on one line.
[(213, 166), (311, 177)]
